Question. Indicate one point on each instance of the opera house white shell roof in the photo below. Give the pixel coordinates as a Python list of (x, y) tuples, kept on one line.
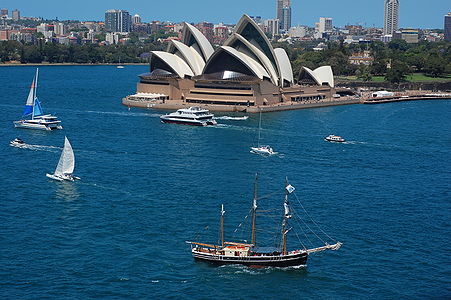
[(320, 75), (247, 51)]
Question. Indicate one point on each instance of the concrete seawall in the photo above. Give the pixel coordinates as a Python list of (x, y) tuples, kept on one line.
[(174, 105)]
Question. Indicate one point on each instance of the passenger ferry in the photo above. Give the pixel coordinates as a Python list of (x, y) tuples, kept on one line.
[(190, 116)]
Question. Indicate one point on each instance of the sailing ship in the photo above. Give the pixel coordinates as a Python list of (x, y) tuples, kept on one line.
[(249, 254), (33, 108), (66, 164), (262, 149)]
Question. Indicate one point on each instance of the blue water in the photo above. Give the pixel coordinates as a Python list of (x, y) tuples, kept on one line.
[(148, 187)]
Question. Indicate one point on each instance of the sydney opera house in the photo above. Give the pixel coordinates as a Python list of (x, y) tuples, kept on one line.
[(244, 74)]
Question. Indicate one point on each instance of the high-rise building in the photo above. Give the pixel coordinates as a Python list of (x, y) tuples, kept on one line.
[(60, 29), (283, 13), (286, 16), (324, 25), (16, 15), (391, 16), (4, 12), (272, 26), (447, 27), (117, 21), (136, 19)]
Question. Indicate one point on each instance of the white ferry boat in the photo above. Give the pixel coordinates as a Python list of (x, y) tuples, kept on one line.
[(190, 116), (334, 139)]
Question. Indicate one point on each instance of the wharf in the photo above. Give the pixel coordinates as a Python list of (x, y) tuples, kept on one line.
[(177, 104), (400, 98)]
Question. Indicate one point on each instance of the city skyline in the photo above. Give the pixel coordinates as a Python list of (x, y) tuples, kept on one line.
[(367, 13)]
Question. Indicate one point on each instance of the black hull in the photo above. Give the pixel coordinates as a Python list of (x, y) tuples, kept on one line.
[(256, 261)]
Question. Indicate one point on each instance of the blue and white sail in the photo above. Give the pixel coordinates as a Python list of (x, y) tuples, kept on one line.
[(28, 109), (33, 106)]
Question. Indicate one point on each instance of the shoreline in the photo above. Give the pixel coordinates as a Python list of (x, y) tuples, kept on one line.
[(174, 105)]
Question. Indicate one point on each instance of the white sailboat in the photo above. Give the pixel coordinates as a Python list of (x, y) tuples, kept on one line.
[(33, 108), (66, 164), (262, 149)]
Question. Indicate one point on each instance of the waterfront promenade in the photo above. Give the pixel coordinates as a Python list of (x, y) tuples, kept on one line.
[(365, 98)]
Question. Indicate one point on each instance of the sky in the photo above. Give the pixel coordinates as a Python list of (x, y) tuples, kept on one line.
[(413, 13)]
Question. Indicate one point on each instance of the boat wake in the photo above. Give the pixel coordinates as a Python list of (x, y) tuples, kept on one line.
[(38, 147), (233, 127), (354, 143), (232, 118), (123, 113), (240, 269)]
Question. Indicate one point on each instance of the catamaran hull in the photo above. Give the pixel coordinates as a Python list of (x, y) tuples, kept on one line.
[(38, 126), (295, 260), (192, 123)]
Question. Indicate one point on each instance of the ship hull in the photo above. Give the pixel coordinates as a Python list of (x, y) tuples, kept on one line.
[(292, 260)]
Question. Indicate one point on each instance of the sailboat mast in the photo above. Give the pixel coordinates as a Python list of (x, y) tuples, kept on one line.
[(35, 85), (286, 216), (254, 211), (221, 226), (259, 128)]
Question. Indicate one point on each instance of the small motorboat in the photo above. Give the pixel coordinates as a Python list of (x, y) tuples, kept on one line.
[(263, 150), (334, 139), (17, 142)]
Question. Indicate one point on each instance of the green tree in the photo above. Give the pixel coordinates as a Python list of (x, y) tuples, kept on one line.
[(435, 65), (398, 72), (379, 67)]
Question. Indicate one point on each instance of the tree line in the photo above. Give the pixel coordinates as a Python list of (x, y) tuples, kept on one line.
[(394, 60), (74, 53)]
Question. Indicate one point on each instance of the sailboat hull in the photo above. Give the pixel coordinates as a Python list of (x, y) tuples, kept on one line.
[(62, 177), (31, 124), (280, 261)]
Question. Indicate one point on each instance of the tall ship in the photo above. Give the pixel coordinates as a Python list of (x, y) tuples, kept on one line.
[(251, 254), (190, 116), (33, 108)]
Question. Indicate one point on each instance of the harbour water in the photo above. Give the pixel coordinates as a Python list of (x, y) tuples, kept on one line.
[(147, 187)]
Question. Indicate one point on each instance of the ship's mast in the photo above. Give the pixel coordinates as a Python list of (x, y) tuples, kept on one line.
[(254, 211), (221, 226), (286, 216)]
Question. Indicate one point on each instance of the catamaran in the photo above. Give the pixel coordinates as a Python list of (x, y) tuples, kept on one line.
[(66, 164), (33, 107), (252, 254), (262, 149), (194, 115)]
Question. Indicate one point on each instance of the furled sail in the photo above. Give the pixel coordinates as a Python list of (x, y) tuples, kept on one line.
[(66, 163)]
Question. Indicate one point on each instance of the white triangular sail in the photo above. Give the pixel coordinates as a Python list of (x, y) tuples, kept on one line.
[(66, 163), (29, 106)]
